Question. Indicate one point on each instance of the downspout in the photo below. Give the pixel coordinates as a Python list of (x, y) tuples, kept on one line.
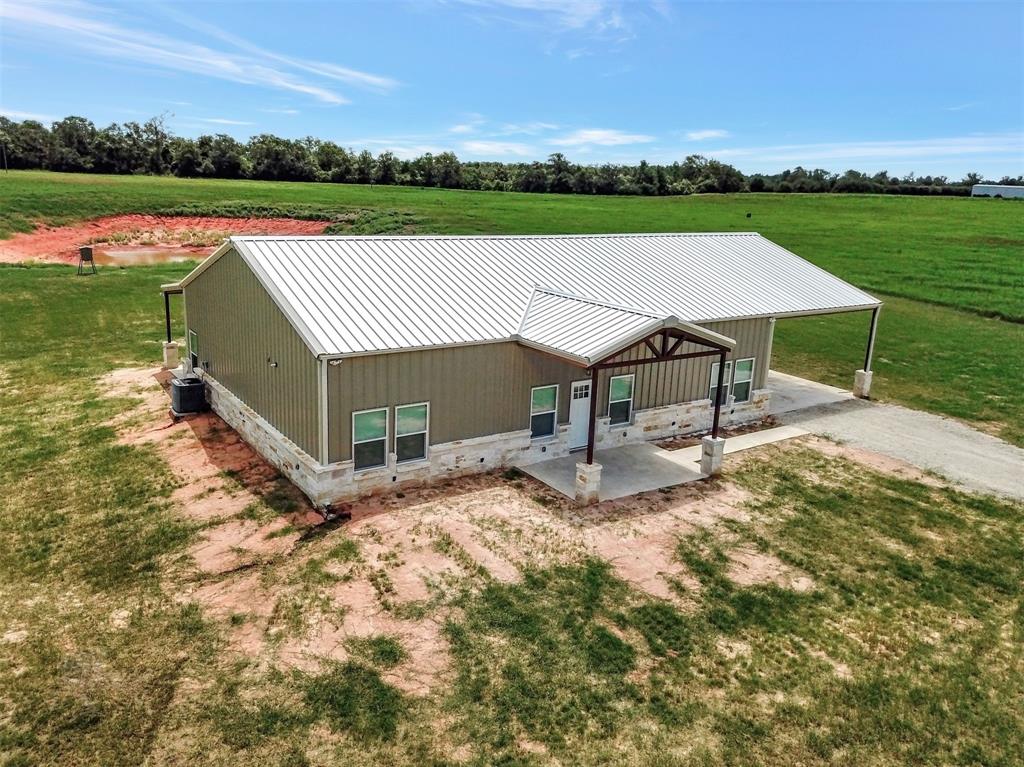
[(324, 419)]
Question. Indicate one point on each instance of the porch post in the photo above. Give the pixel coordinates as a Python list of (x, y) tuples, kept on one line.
[(862, 378), (167, 315), (718, 393), (591, 428)]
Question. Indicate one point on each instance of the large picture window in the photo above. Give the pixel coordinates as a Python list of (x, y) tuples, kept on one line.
[(411, 427), (743, 380), (713, 393), (370, 438), (620, 399), (543, 411)]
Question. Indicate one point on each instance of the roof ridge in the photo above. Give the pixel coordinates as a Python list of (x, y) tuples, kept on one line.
[(573, 236), (597, 302)]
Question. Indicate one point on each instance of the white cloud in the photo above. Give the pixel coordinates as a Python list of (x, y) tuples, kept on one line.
[(273, 111), (703, 135), (87, 30), (600, 137), (496, 148), (17, 114), (961, 107)]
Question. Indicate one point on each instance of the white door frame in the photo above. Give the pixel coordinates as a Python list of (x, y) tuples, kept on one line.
[(580, 426)]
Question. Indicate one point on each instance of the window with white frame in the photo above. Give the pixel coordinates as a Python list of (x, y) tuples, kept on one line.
[(743, 380), (370, 438), (620, 399), (713, 388), (193, 348), (411, 427), (543, 410)]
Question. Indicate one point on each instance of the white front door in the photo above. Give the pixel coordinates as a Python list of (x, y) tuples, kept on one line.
[(579, 414)]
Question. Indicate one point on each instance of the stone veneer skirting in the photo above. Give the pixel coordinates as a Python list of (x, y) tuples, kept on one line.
[(337, 482)]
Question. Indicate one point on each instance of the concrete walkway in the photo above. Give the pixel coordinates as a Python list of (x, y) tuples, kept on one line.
[(973, 459), (689, 455)]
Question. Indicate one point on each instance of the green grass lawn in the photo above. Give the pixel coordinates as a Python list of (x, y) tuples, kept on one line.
[(909, 650)]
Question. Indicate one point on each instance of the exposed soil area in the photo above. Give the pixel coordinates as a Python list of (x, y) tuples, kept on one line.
[(143, 239), (291, 592)]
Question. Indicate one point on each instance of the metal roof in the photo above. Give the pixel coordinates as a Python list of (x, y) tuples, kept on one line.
[(587, 331), (353, 295)]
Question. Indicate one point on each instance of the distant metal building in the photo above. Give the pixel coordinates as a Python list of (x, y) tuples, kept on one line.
[(355, 363), (997, 190)]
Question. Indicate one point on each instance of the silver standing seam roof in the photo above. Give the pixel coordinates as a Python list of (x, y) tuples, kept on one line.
[(577, 295)]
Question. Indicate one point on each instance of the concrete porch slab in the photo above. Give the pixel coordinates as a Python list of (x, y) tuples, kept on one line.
[(626, 471), (790, 393)]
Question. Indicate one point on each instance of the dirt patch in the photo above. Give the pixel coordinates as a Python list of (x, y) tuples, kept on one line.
[(143, 239), (750, 567), (218, 476), (883, 463)]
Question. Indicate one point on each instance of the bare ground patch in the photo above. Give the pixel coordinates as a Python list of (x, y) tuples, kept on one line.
[(138, 238)]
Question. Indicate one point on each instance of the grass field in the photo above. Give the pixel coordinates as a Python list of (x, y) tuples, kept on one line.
[(909, 650), (957, 252), (947, 268)]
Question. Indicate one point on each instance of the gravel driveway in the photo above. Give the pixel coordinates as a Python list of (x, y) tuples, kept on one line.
[(977, 461)]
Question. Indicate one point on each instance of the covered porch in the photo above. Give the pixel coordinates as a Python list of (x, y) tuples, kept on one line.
[(606, 340)]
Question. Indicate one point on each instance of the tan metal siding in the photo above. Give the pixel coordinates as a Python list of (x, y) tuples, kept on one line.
[(241, 330), (482, 389)]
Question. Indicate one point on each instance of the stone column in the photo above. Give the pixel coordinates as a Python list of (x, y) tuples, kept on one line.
[(170, 355), (712, 450), (862, 383), (588, 482)]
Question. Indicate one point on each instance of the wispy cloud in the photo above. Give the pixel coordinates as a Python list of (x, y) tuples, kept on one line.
[(571, 14), (472, 122), (84, 27), (705, 134), (961, 107), (599, 137), (526, 129), (17, 114), (275, 111), (1010, 145), (497, 148)]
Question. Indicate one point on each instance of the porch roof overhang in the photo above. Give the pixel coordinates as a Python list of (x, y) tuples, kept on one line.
[(587, 332)]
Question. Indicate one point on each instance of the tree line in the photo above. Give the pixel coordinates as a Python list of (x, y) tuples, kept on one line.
[(75, 144)]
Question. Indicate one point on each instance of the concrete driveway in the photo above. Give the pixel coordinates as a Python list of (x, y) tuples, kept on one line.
[(973, 459)]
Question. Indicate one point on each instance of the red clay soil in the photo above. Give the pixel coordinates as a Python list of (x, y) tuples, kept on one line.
[(174, 235)]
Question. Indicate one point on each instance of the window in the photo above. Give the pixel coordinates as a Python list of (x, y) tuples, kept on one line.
[(620, 399), (543, 411), (370, 438), (193, 348), (744, 380), (713, 389), (411, 431)]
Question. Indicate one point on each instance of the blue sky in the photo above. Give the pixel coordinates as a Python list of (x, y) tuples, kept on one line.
[(928, 87)]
